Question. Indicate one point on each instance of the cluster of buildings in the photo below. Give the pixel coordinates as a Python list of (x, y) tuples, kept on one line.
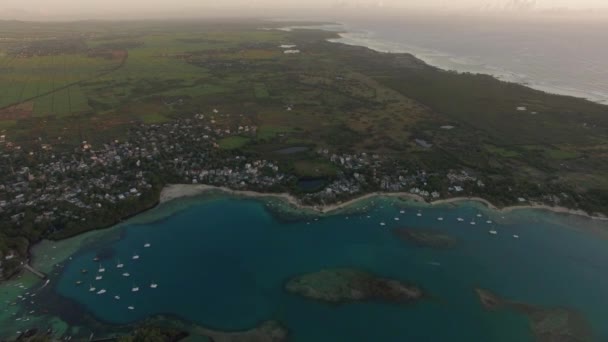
[(238, 173), (94, 177), (43, 188), (362, 173)]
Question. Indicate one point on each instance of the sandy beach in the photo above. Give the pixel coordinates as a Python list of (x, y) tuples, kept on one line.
[(174, 191)]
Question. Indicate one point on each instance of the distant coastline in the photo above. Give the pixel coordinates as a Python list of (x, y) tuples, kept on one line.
[(429, 56), (346, 35), (175, 191)]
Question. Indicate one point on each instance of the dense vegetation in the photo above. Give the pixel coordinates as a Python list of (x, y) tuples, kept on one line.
[(140, 334)]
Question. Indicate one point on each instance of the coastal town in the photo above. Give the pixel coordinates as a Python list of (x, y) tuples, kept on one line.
[(49, 193), (244, 179)]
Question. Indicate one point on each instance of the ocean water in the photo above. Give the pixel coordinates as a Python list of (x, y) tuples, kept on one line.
[(567, 57), (222, 263)]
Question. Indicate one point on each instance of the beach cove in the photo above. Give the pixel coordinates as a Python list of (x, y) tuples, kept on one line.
[(175, 191), (214, 257)]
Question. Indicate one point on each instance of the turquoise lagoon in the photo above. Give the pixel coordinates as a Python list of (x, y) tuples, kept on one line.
[(222, 262)]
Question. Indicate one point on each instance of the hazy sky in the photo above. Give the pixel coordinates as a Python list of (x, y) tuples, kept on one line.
[(74, 4), (89, 8)]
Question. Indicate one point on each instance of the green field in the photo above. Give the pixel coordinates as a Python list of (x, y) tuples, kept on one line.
[(261, 92), (27, 78), (562, 154), (269, 132), (5, 124), (153, 118), (503, 152), (314, 168), (231, 143)]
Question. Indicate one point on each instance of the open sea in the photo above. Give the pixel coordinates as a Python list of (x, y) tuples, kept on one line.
[(556, 55), (222, 262)]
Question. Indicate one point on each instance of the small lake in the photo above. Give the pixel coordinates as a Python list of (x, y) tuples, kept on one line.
[(311, 184), (292, 150)]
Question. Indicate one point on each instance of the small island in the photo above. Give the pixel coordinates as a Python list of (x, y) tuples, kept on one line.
[(547, 324), (425, 238), (345, 285)]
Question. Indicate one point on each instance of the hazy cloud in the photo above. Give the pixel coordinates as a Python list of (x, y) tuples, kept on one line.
[(18, 9)]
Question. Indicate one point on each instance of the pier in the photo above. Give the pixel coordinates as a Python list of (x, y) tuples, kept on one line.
[(34, 271)]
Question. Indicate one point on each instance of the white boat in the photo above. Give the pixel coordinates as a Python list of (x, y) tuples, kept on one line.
[(478, 215), (489, 221), (130, 307), (119, 264), (473, 223), (117, 297), (396, 219), (402, 212), (153, 285), (91, 288), (460, 219), (515, 236), (440, 219), (135, 289), (419, 214), (146, 245), (382, 224), (98, 277), (126, 274), (135, 257), (493, 232), (101, 269), (102, 291)]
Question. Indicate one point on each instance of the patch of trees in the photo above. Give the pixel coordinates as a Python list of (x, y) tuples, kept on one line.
[(594, 201), (122, 45)]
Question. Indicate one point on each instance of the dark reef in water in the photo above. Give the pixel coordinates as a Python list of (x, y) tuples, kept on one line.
[(345, 285), (547, 324), (268, 331), (426, 238)]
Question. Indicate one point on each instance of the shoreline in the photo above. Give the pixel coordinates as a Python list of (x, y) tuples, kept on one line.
[(348, 37), (175, 191)]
